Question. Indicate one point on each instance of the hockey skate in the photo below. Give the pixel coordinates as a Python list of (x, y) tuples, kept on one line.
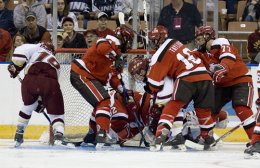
[(18, 138), (105, 141), (253, 151), (89, 139), (207, 142), (201, 143), (59, 141), (160, 140), (175, 143)]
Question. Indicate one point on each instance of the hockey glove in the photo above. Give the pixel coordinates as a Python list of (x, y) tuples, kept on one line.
[(40, 107), (119, 65), (219, 72), (14, 70)]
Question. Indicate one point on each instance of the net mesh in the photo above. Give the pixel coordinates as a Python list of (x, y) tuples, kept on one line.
[(77, 110)]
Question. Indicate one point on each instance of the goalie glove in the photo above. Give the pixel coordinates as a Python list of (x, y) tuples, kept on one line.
[(14, 70), (219, 72)]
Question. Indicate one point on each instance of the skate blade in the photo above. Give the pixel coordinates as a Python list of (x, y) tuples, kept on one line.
[(83, 144), (181, 148), (254, 155), (155, 148), (104, 146), (64, 144), (194, 145), (17, 144)]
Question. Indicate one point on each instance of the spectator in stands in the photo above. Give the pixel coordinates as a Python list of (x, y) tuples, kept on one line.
[(140, 40), (104, 6), (249, 13), (181, 18), (29, 5), (102, 30), (63, 12), (60, 40), (32, 32), (18, 40), (230, 5), (71, 38), (81, 9), (6, 19), (5, 45), (126, 6), (253, 45), (91, 37), (47, 4)]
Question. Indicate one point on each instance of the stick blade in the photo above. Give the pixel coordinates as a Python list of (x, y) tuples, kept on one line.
[(121, 17)]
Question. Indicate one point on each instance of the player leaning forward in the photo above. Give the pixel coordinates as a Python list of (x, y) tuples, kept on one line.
[(97, 71), (192, 82), (232, 79), (40, 82)]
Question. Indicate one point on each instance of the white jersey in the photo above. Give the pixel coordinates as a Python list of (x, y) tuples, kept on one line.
[(33, 53)]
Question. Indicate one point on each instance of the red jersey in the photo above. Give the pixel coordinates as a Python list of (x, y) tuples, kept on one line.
[(5, 44), (174, 60), (97, 62), (227, 54)]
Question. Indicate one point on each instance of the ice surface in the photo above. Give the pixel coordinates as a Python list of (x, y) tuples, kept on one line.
[(32, 154)]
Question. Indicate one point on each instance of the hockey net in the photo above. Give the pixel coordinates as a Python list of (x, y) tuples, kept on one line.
[(77, 110)]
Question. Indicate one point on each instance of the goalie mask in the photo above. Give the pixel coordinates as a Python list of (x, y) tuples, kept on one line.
[(125, 35), (158, 35), (138, 67), (203, 35)]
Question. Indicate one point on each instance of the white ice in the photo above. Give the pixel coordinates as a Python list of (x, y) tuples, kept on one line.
[(32, 154)]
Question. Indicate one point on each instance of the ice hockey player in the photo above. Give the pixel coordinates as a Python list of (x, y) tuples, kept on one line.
[(97, 69), (253, 150), (231, 77), (40, 82), (138, 68), (191, 82)]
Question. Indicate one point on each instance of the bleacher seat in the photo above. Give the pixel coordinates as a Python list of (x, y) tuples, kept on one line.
[(241, 26), (92, 24), (240, 9)]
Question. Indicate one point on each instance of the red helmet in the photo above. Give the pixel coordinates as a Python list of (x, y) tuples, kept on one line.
[(158, 34), (205, 30), (137, 67), (48, 46), (124, 34)]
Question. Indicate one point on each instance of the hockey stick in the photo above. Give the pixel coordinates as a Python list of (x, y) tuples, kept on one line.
[(51, 140), (230, 131), (146, 29), (134, 112), (197, 146)]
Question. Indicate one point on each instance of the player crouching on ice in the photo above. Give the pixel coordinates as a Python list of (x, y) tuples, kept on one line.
[(138, 115), (41, 81)]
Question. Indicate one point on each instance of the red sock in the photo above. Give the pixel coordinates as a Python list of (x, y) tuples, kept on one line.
[(243, 113)]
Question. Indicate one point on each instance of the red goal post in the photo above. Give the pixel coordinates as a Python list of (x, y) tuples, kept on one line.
[(77, 110)]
